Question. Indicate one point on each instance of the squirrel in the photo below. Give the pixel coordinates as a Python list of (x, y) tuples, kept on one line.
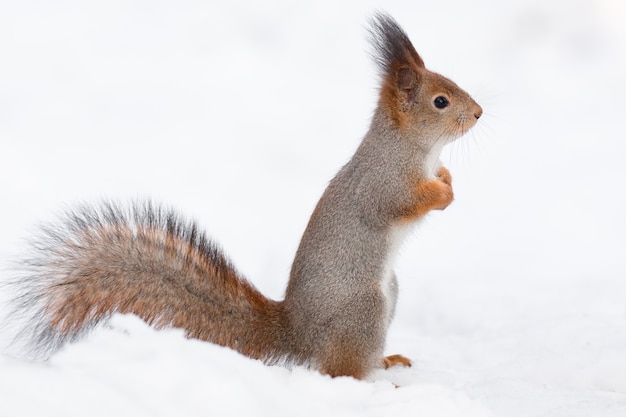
[(144, 259)]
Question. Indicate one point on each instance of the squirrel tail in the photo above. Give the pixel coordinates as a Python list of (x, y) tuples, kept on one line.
[(144, 260)]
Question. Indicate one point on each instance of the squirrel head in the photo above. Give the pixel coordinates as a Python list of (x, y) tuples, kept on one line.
[(421, 104)]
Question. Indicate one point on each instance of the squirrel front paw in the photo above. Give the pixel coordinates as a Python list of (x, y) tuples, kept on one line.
[(445, 195), (444, 175), (430, 194)]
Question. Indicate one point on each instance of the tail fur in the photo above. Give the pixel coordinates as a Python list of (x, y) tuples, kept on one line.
[(144, 260)]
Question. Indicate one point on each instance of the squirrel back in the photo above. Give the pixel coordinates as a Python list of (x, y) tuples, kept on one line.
[(342, 291)]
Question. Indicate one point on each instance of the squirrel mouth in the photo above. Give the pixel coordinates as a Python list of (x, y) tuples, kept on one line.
[(465, 123)]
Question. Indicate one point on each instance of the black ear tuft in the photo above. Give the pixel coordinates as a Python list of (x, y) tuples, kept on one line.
[(392, 47)]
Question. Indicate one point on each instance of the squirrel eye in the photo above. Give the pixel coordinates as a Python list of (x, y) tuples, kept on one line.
[(441, 102)]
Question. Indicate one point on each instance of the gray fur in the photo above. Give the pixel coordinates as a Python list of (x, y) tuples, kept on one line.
[(338, 270)]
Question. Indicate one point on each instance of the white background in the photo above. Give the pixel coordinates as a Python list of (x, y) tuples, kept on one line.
[(512, 300)]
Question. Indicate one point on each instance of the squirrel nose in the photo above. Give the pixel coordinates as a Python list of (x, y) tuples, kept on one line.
[(478, 112)]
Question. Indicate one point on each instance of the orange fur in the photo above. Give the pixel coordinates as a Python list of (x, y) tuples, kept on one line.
[(431, 194), (396, 360)]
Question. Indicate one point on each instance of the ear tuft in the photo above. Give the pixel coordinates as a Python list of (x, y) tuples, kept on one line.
[(392, 47)]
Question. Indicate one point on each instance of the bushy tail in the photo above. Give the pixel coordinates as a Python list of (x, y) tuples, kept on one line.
[(144, 260)]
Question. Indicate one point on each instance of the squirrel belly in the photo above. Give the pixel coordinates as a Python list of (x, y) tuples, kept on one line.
[(342, 291)]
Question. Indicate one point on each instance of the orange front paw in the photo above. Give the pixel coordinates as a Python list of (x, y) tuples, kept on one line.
[(444, 175), (441, 192), (431, 194)]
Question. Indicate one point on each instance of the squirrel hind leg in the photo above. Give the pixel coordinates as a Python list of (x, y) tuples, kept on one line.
[(346, 365), (347, 360)]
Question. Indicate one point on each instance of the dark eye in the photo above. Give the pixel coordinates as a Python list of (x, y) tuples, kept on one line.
[(441, 102)]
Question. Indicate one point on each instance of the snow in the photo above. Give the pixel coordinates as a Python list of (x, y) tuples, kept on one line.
[(512, 300)]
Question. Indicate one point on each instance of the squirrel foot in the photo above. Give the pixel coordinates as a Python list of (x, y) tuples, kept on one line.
[(396, 360)]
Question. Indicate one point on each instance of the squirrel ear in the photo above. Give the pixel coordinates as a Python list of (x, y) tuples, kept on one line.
[(406, 79), (406, 84)]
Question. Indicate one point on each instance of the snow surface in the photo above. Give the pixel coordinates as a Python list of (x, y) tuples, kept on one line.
[(512, 300)]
